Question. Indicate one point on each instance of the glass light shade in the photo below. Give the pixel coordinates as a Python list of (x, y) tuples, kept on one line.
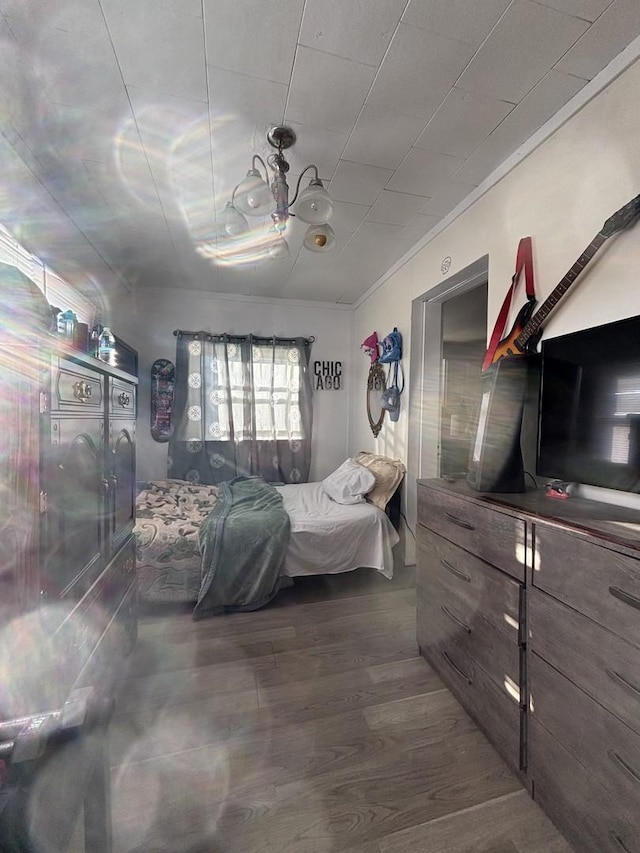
[(233, 222), (320, 238), (253, 196), (279, 248), (314, 204)]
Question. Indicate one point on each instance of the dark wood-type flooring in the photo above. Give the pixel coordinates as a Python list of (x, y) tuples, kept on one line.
[(310, 726)]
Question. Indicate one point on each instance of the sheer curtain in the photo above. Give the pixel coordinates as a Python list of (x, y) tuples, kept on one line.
[(242, 406)]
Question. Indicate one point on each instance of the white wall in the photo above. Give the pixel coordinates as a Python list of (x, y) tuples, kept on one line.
[(560, 195), (159, 312)]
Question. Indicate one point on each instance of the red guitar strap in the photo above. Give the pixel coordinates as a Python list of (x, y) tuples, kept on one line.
[(524, 259)]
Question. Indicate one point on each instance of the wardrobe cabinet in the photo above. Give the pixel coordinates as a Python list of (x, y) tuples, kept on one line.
[(529, 608)]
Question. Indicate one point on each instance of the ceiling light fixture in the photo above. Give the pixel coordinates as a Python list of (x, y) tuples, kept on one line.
[(255, 196)]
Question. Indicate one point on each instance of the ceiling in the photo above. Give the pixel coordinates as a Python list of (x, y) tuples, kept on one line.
[(126, 124)]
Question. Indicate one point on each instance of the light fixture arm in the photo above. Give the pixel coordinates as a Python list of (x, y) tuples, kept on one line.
[(306, 169)]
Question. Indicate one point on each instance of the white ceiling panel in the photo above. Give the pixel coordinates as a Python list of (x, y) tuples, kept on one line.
[(357, 183), (461, 123), (382, 138), (394, 208), (253, 37), (317, 77), (143, 62), (347, 216), (546, 99), (587, 9), (603, 41), (528, 40), (417, 227), (451, 18), (126, 124), (317, 146), (423, 172), (447, 197), (435, 63), (358, 30), (233, 94)]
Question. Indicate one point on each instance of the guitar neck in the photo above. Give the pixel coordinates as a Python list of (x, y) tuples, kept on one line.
[(558, 292)]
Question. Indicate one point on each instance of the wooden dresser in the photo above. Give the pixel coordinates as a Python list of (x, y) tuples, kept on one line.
[(67, 581), (529, 609)]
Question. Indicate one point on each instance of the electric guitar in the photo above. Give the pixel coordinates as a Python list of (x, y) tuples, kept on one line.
[(526, 330)]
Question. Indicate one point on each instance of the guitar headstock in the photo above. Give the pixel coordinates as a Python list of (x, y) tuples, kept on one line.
[(622, 218)]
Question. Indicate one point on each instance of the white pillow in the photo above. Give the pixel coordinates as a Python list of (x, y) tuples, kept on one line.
[(349, 483)]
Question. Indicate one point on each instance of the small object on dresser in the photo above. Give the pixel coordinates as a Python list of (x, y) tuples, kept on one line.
[(107, 347), (66, 324), (558, 489), (81, 337)]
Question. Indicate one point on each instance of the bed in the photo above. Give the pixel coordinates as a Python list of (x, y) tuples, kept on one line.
[(325, 527)]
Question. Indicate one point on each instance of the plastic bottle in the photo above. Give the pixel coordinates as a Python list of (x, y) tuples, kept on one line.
[(107, 346)]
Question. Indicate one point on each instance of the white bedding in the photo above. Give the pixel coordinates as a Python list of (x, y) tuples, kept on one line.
[(327, 537)]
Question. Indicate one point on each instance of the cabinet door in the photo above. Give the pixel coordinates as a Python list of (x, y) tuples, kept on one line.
[(122, 478), (75, 506)]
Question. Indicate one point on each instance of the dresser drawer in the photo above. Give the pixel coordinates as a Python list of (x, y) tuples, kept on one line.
[(494, 536), (606, 747), (75, 388), (122, 399), (482, 588), (596, 581), (593, 820), (449, 619), (497, 714), (603, 665)]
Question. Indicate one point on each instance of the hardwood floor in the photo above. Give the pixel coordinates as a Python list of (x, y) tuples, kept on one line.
[(310, 726)]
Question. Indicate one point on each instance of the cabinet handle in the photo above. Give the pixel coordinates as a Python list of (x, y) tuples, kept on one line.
[(615, 676), (613, 756), (625, 597), (460, 522), (454, 618), (124, 399), (457, 669), (615, 837), (104, 486), (447, 565), (82, 391)]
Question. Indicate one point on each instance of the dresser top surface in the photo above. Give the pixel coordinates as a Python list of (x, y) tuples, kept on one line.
[(618, 526)]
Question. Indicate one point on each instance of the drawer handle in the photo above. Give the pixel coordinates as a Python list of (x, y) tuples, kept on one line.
[(615, 676), (613, 756), (454, 618), (124, 400), (625, 597), (456, 669), (459, 521), (82, 391), (615, 837), (447, 565)]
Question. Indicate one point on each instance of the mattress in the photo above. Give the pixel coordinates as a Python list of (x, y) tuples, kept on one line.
[(328, 538)]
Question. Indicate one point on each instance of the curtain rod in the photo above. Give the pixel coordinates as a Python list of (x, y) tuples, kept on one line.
[(261, 338)]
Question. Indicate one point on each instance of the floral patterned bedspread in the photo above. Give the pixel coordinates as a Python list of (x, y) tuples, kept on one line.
[(169, 515)]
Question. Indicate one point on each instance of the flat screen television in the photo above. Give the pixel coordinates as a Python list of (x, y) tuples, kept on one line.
[(589, 413)]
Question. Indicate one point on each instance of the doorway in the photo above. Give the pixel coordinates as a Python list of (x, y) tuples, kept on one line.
[(448, 342)]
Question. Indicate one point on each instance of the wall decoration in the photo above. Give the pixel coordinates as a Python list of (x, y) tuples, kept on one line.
[(327, 375), (163, 374), (376, 386), (445, 266)]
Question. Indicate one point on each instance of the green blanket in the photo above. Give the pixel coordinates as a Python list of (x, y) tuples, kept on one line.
[(243, 542)]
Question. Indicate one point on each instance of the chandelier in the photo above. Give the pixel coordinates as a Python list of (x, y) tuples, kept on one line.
[(256, 195)]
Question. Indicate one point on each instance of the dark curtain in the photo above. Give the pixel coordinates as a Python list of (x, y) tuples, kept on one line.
[(242, 407)]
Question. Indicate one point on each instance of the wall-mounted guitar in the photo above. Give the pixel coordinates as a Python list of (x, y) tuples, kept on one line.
[(526, 330)]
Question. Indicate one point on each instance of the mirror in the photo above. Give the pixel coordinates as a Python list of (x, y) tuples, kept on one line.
[(376, 385)]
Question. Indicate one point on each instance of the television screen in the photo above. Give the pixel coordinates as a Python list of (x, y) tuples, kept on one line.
[(589, 418)]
